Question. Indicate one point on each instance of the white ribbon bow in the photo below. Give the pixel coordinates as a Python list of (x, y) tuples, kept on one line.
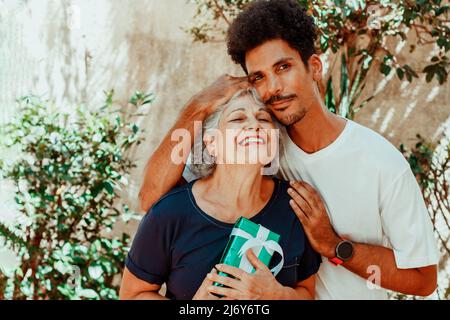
[(256, 244)]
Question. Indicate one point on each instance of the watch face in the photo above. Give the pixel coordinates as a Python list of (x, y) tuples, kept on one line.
[(345, 250)]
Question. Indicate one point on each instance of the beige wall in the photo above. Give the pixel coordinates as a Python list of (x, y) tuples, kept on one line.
[(139, 45)]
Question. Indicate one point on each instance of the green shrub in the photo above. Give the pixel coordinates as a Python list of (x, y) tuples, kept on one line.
[(66, 183)]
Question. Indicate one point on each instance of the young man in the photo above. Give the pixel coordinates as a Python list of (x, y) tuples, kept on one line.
[(367, 217)]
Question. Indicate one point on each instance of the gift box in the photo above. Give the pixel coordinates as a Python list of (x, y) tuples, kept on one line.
[(247, 235)]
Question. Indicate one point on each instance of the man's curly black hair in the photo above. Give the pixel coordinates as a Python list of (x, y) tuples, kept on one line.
[(265, 20)]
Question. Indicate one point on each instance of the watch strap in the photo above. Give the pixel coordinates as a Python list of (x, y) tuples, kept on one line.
[(336, 261)]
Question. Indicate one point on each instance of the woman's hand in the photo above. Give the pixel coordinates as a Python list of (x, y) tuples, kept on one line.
[(260, 285), (202, 292), (216, 94)]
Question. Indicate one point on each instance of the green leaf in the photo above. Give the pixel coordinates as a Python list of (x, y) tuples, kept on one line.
[(95, 271), (62, 267), (329, 96), (87, 293), (400, 73), (430, 76), (108, 186), (385, 69)]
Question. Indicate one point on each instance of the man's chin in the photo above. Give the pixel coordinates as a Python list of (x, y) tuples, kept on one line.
[(291, 119)]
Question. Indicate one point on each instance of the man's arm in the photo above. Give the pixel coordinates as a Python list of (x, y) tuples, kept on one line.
[(369, 259), (161, 173), (310, 209)]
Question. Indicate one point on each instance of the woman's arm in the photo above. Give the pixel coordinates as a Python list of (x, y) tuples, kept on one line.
[(133, 288), (305, 290)]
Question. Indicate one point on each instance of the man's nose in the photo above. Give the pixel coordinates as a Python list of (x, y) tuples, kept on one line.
[(274, 87)]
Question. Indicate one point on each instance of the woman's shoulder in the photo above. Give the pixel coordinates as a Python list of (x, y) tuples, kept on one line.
[(281, 206), (283, 186), (173, 203)]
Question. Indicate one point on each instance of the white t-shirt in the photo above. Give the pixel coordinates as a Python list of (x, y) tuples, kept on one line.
[(371, 196)]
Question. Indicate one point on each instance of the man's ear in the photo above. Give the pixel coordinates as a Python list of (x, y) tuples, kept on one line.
[(316, 67)]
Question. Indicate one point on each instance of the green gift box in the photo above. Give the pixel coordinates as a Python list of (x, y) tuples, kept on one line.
[(247, 235)]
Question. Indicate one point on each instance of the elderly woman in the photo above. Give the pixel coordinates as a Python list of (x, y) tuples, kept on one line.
[(181, 239)]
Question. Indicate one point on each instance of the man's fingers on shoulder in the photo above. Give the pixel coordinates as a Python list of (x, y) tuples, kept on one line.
[(296, 185), (309, 187), (300, 214)]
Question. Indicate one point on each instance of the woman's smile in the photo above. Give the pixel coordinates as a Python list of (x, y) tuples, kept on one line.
[(252, 140)]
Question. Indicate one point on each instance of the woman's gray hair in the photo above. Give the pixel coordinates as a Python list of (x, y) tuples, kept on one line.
[(205, 166)]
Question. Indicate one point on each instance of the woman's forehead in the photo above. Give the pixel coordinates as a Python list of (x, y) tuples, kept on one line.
[(245, 103)]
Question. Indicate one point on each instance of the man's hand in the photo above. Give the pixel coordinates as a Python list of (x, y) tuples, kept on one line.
[(310, 209), (202, 292), (260, 285), (218, 93)]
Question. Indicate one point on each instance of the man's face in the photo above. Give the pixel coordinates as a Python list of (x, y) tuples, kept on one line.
[(277, 72)]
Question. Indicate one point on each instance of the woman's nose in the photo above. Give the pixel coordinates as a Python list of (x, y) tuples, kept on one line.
[(253, 124)]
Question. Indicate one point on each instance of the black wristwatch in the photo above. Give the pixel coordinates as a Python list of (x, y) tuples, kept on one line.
[(344, 252)]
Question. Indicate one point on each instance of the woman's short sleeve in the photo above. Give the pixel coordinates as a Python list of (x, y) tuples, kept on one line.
[(149, 256)]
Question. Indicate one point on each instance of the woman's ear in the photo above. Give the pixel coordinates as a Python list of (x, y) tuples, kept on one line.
[(210, 142)]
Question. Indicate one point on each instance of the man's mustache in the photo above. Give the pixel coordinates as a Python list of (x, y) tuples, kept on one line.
[(278, 98)]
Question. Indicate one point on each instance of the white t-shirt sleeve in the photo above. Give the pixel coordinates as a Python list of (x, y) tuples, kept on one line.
[(407, 224)]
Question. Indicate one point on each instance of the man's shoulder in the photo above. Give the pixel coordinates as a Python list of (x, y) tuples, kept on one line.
[(376, 150)]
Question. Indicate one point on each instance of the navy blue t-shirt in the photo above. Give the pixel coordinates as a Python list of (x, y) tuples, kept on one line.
[(179, 244)]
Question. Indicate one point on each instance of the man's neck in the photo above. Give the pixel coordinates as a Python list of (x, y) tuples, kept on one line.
[(318, 129)]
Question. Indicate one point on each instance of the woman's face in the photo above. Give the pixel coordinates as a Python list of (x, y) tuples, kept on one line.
[(246, 134)]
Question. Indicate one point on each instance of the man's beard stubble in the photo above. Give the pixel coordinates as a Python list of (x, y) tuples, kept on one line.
[(288, 119), (293, 118)]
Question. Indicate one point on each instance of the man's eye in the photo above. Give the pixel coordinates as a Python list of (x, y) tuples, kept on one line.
[(264, 120), (284, 67), (237, 120)]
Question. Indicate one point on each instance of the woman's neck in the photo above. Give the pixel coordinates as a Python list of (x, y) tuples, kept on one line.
[(233, 191)]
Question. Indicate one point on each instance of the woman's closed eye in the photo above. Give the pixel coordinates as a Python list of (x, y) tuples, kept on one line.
[(238, 119)]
